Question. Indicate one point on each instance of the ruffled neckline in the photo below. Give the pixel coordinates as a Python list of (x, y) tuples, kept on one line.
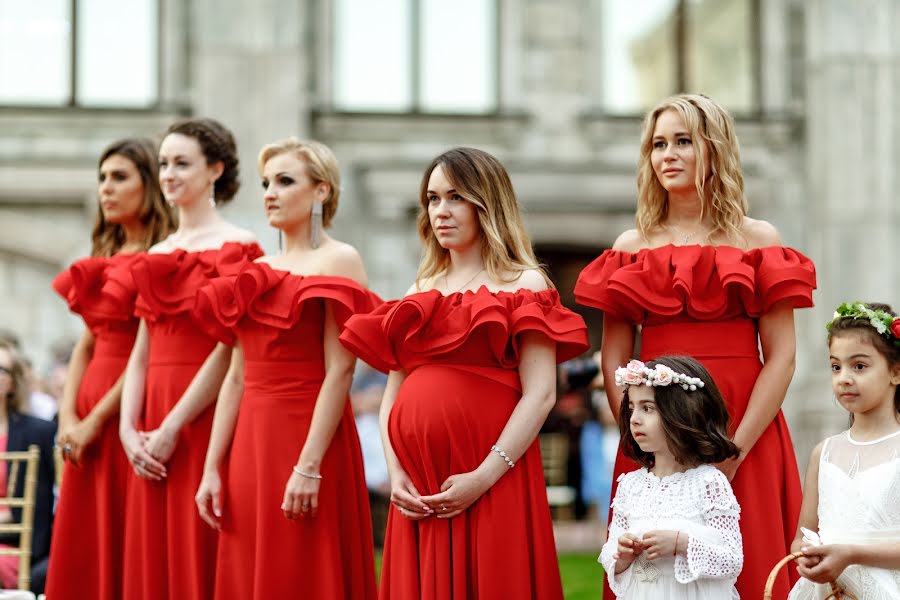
[(428, 326), (167, 283), (88, 289), (275, 297), (697, 281)]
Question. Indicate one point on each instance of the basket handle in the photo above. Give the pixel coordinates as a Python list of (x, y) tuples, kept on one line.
[(837, 593)]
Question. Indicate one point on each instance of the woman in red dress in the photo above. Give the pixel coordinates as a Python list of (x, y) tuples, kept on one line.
[(701, 278), (165, 424), (283, 481), (86, 551), (471, 352)]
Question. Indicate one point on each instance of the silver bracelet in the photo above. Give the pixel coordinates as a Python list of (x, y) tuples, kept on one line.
[(302, 473), (504, 456)]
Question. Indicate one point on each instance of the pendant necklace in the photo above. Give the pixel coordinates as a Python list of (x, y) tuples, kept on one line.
[(447, 282)]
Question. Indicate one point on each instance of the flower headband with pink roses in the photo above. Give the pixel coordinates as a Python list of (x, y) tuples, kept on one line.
[(636, 373)]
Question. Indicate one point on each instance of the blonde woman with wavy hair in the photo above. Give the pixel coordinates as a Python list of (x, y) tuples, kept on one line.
[(471, 351), (697, 276)]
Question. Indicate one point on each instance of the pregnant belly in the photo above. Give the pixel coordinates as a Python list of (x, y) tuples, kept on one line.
[(445, 419)]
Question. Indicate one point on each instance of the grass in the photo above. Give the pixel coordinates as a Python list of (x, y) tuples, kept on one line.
[(582, 576)]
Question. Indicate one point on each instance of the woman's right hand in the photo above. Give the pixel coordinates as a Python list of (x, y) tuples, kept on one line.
[(209, 499), (405, 497), (145, 466)]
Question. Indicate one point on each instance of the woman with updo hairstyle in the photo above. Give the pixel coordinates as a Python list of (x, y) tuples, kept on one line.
[(471, 351), (699, 277), (283, 481), (88, 531), (165, 422)]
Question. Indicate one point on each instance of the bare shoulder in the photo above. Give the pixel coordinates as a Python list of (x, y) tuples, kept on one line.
[(816, 453), (531, 279), (343, 260), (760, 234), (629, 241), (163, 246), (233, 233)]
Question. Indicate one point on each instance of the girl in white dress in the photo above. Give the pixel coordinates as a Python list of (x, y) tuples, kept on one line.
[(849, 526), (674, 532)]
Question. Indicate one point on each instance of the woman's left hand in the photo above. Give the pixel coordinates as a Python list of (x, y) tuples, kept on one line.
[(301, 496), (833, 559), (458, 493), (161, 443)]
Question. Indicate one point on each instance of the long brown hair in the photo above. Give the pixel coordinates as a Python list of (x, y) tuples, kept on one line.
[(155, 216), (482, 180), (719, 180)]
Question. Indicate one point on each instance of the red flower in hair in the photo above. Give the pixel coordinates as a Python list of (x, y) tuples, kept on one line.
[(895, 328)]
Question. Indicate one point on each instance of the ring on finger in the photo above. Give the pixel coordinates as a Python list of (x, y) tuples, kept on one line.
[(443, 508)]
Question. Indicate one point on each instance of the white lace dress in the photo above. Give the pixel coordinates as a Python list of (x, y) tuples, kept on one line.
[(859, 503), (700, 504)]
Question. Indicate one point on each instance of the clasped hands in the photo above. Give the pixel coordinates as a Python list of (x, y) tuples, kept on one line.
[(148, 451), (458, 492), (655, 544)]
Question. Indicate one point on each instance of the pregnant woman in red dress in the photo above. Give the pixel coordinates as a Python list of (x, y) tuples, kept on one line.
[(164, 427), (283, 481), (471, 351), (86, 551), (699, 277)]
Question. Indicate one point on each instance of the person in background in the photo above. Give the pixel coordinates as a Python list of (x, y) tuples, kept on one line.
[(17, 432)]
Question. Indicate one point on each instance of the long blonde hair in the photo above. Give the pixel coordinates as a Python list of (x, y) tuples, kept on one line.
[(482, 180), (720, 183)]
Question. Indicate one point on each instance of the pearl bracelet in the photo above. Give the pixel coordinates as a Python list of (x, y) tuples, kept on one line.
[(302, 473), (508, 460)]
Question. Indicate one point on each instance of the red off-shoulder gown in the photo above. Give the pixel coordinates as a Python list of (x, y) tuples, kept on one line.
[(704, 301), (278, 318), (86, 551), (169, 551), (461, 355)]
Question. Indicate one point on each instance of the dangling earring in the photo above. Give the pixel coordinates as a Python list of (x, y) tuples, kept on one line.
[(212, 201), (315, 225), (279, 242)]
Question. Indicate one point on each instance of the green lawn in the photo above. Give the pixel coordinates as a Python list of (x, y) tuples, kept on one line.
[(582, 576)]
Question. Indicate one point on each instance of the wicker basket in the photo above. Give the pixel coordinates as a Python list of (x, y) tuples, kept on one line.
[(837, 593)]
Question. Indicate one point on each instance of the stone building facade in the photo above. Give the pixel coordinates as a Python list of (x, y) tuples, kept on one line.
[(815, 86)]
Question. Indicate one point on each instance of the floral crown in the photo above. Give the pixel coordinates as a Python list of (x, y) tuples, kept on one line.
[(636, 373), (883, 322)]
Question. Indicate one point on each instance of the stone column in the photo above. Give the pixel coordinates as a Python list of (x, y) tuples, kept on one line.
[(853, 169)]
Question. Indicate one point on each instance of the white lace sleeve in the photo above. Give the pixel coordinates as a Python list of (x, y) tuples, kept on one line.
[(714, 551), (618, 526)]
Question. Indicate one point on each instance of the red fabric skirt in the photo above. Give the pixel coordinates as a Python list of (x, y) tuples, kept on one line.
[(88, 529), (262, 554), (170, 552), (444, 421)]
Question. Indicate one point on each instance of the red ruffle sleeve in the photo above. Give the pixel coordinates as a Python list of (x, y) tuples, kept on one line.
[(95, 288), (275, 298), (429, 325), (167, 283), (704, 282)]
